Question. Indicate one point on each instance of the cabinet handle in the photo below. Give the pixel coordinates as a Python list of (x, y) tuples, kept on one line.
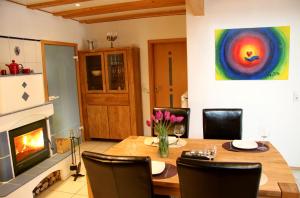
[(51, 98)]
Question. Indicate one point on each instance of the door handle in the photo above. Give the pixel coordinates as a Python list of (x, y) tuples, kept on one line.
[(51, 98), (156, 89)]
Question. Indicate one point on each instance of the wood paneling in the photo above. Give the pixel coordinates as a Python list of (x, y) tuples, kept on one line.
[(53, 3), (196, 6), (107, 99), (119, 7), (135, 95), (97, 121), (98, 9), (134, 16), (119, 122)]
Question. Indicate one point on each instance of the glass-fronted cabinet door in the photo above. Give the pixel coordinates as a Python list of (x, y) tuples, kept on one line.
[(94, 72), (116, 71)]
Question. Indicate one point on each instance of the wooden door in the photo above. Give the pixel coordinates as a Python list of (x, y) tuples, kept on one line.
[(97, 121), (169, 80), (119, 122)]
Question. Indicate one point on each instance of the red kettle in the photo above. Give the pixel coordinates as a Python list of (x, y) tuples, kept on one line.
[(14, 67)]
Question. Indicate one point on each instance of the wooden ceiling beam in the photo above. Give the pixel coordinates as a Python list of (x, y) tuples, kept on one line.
[(119, 7), (134, 16), (53, 3), (196, 6)]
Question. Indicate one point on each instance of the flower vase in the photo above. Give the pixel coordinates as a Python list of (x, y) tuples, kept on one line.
[(163, 145)]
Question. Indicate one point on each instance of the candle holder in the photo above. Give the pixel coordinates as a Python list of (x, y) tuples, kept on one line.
[(111, 36)]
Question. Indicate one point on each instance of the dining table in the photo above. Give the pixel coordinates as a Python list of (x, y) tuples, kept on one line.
[(280, 181)]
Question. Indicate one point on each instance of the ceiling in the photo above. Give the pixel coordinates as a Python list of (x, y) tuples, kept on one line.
[(97, 11)]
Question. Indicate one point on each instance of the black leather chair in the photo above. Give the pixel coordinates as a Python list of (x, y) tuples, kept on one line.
[(223, 124), (184, 112), (208, 179), (118, 176)]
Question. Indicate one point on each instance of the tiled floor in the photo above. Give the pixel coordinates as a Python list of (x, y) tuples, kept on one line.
[(78, 189), (75, 189)]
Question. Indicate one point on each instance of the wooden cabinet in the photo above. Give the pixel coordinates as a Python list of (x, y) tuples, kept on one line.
[(111, 90)]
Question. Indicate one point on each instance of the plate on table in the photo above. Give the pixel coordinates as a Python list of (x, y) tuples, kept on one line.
[(157, 167), (263, 179), (244, 144), (171, 139)]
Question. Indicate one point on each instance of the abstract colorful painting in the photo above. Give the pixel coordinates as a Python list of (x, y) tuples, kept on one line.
[(252, 53)]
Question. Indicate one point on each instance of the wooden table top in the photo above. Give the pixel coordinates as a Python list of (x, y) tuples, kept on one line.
[(273, 164)]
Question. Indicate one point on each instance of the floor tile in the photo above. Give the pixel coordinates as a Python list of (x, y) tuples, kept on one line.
[(69, 186), (78, 188), (55, 194), (83, 191), (80, 196)]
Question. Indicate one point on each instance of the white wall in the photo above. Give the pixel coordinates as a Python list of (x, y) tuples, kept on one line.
[(137, 32), (267, 105), (18, 21)]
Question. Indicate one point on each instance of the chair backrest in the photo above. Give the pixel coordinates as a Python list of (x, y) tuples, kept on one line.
[(208, 179), (222, 124), (118, 176), (184, 112)]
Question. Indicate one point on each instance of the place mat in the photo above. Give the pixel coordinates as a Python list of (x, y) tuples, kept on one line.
[(261, 148), (177, 144), (169, 171)]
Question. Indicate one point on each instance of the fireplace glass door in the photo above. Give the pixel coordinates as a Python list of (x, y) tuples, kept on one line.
[(29, 145)]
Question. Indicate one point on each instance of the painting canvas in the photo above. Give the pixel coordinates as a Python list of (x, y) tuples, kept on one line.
[(252, 53)]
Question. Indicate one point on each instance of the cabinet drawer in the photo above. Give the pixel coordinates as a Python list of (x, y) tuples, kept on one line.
[(107, 99)]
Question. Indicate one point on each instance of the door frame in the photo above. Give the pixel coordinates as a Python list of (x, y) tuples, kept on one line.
[(151, 44), (79, 94)]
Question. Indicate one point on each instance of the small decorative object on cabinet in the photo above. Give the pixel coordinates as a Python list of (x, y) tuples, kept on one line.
[(111, 90), (111, 36)]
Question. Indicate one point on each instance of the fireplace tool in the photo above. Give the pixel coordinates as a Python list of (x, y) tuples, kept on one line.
[(75, 167)]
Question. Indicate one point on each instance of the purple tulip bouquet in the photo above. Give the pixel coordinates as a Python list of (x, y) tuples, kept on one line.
[(161, 123)]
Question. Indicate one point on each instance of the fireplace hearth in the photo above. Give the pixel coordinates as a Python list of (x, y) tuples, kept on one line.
[(29, 145)]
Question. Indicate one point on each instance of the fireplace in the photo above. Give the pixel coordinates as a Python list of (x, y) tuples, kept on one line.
[(29, 145)]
